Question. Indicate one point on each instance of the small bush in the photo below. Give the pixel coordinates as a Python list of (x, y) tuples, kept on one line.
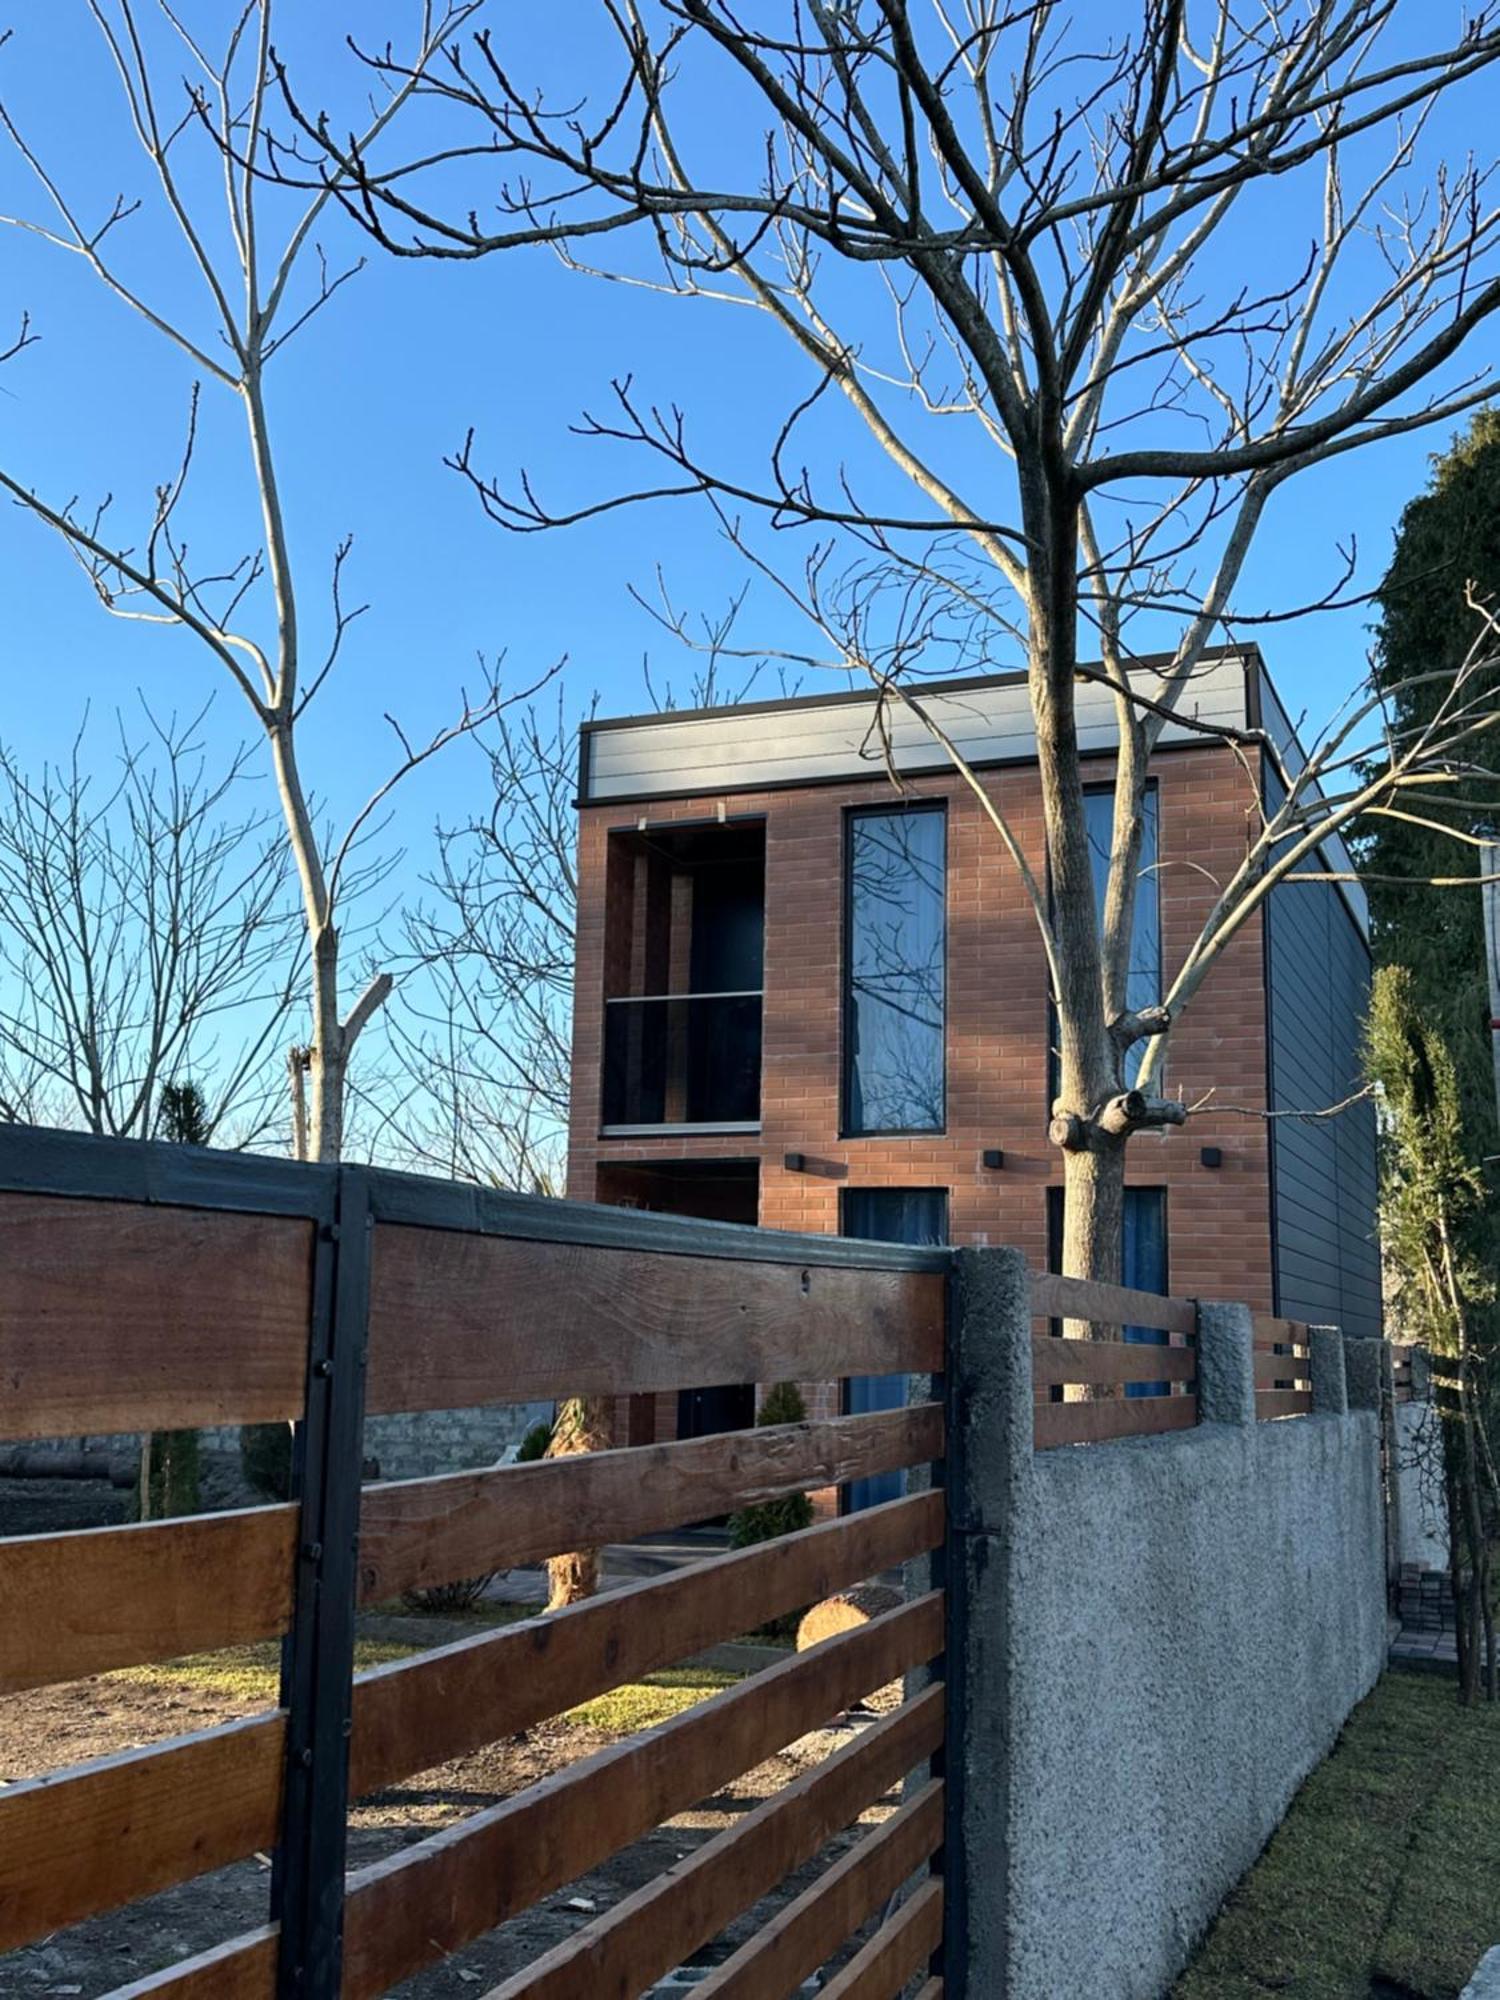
[(534, 1444), (449, 1600), (770, 1518)]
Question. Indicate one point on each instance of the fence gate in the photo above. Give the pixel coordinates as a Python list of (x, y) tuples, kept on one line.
[(148, 1287)]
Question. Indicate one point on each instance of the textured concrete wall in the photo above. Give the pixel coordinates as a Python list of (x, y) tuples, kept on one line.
[(1419, 1470), (1164, 1637)]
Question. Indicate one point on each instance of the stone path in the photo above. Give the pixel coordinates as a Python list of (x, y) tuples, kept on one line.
[(1428, 1637)]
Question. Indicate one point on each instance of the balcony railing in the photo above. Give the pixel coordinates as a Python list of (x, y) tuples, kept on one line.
[(677, 1059)]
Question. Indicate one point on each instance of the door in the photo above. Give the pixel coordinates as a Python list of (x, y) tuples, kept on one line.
[(887, 1215)]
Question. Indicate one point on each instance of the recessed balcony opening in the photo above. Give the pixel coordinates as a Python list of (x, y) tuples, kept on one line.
[(684, 969)]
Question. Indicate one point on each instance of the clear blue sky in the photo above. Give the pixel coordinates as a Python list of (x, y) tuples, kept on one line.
[(369, 399)]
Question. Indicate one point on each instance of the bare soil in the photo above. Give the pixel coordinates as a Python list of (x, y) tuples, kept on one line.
[(64, 1725)]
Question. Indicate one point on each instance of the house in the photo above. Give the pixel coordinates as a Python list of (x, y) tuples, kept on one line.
[(809, 999)]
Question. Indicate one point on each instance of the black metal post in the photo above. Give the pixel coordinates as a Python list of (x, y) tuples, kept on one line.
[(308, 1887)]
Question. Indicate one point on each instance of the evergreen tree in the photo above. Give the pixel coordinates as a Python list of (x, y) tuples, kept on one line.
[(1448, 543), (169, 1459)]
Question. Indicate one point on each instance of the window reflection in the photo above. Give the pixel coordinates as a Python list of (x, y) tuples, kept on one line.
[(895, 976)]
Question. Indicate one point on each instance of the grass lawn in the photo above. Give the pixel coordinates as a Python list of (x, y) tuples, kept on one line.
[(1383, 1882), (252, 1673)]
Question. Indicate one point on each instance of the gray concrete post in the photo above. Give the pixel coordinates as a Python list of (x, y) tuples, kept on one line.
[(1226, 1364), (1363, 1371), (1330, 1394), (991, 1448)]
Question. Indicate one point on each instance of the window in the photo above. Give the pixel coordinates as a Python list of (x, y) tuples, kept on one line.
[(886, 1215), (1143, 980), (895, 977), (1143, 1265), (1143, 983)]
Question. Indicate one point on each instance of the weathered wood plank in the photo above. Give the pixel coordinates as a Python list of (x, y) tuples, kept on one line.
[(123, 1316), (416, 1713), (620, 1955), (1097, 1423), (804, 1935), (97, 1835), (458, 1320), (1271, 1403), (898, 1950), (119, 1597), (1056, 1361), (1266, 1329), (438, 1895), (242, 1968), (116, 1597), (1273, 1368), (418, 1532), (1109, 1305)]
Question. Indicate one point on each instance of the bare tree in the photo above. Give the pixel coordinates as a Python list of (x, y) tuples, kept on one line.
[(148, 933), (1096, 288), (486, 1036), (261, 276)]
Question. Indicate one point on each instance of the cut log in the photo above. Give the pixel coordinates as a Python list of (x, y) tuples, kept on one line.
[(844, 1613)]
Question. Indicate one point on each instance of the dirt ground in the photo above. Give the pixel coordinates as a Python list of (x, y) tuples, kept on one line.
[(63, 1725)]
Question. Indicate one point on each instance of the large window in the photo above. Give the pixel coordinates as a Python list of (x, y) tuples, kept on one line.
[(1143, 983), (895, 986), (886, 1215)]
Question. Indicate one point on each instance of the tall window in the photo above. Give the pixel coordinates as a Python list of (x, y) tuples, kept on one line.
[(895, 983), (1143, 980), (1143, 984), (886, 1215), (1143, 1266)]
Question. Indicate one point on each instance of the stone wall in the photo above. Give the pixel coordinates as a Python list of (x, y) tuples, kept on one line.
[(1163, 1636)]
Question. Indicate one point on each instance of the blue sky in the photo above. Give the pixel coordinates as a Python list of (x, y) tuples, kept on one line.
[(369, 399)]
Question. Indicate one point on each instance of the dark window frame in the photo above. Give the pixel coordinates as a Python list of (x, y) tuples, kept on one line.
[(846, 934)]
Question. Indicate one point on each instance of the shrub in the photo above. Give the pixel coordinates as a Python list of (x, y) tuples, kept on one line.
[(534, 1444), (449, 1600), (770, 1518)]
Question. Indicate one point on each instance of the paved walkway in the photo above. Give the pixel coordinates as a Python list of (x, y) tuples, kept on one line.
[(1428, 1637)]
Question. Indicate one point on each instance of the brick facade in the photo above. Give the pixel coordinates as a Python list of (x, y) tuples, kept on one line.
[(1219, 1220)]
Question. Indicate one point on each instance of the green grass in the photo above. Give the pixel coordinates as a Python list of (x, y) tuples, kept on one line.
[(252, 1673), (1385, 1875)]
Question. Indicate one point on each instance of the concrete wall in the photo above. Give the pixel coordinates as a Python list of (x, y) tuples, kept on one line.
[(1419, 1473), (1164, 1636)]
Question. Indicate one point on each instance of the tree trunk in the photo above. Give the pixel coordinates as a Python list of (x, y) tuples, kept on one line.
[(1093, 1236), (583, 1424)]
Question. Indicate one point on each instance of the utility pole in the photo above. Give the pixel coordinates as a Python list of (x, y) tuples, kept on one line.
[(1489, 888)]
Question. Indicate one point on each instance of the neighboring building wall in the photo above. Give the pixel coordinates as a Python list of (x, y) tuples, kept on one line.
[(1161, 1638), (1218, 1220), (1420, 1510), (1323, 1169)]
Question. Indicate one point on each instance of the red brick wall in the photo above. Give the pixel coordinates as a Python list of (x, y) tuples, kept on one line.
[(1218, 1220)]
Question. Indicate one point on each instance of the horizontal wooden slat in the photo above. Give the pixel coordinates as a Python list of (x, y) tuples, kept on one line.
[(898, 1950), (416, 1713), (119, 1597), (1283, 1402), (418, 1532), (1273, 1368), (1123, 1416), (1109, 1305), (809, 1930), (1266, 1329), (123, 1316), (1056, 1361), (662, 1924), (458, 1320), (101, 1834), (116, 1597), (443, 1892), (242, 1968)]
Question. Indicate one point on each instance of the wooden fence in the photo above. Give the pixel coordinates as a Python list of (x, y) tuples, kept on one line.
[(152, 1287)]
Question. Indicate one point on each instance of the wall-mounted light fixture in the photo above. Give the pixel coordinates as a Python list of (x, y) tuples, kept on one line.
[(1212, 1156), (992, 1156), (795, 1163)]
